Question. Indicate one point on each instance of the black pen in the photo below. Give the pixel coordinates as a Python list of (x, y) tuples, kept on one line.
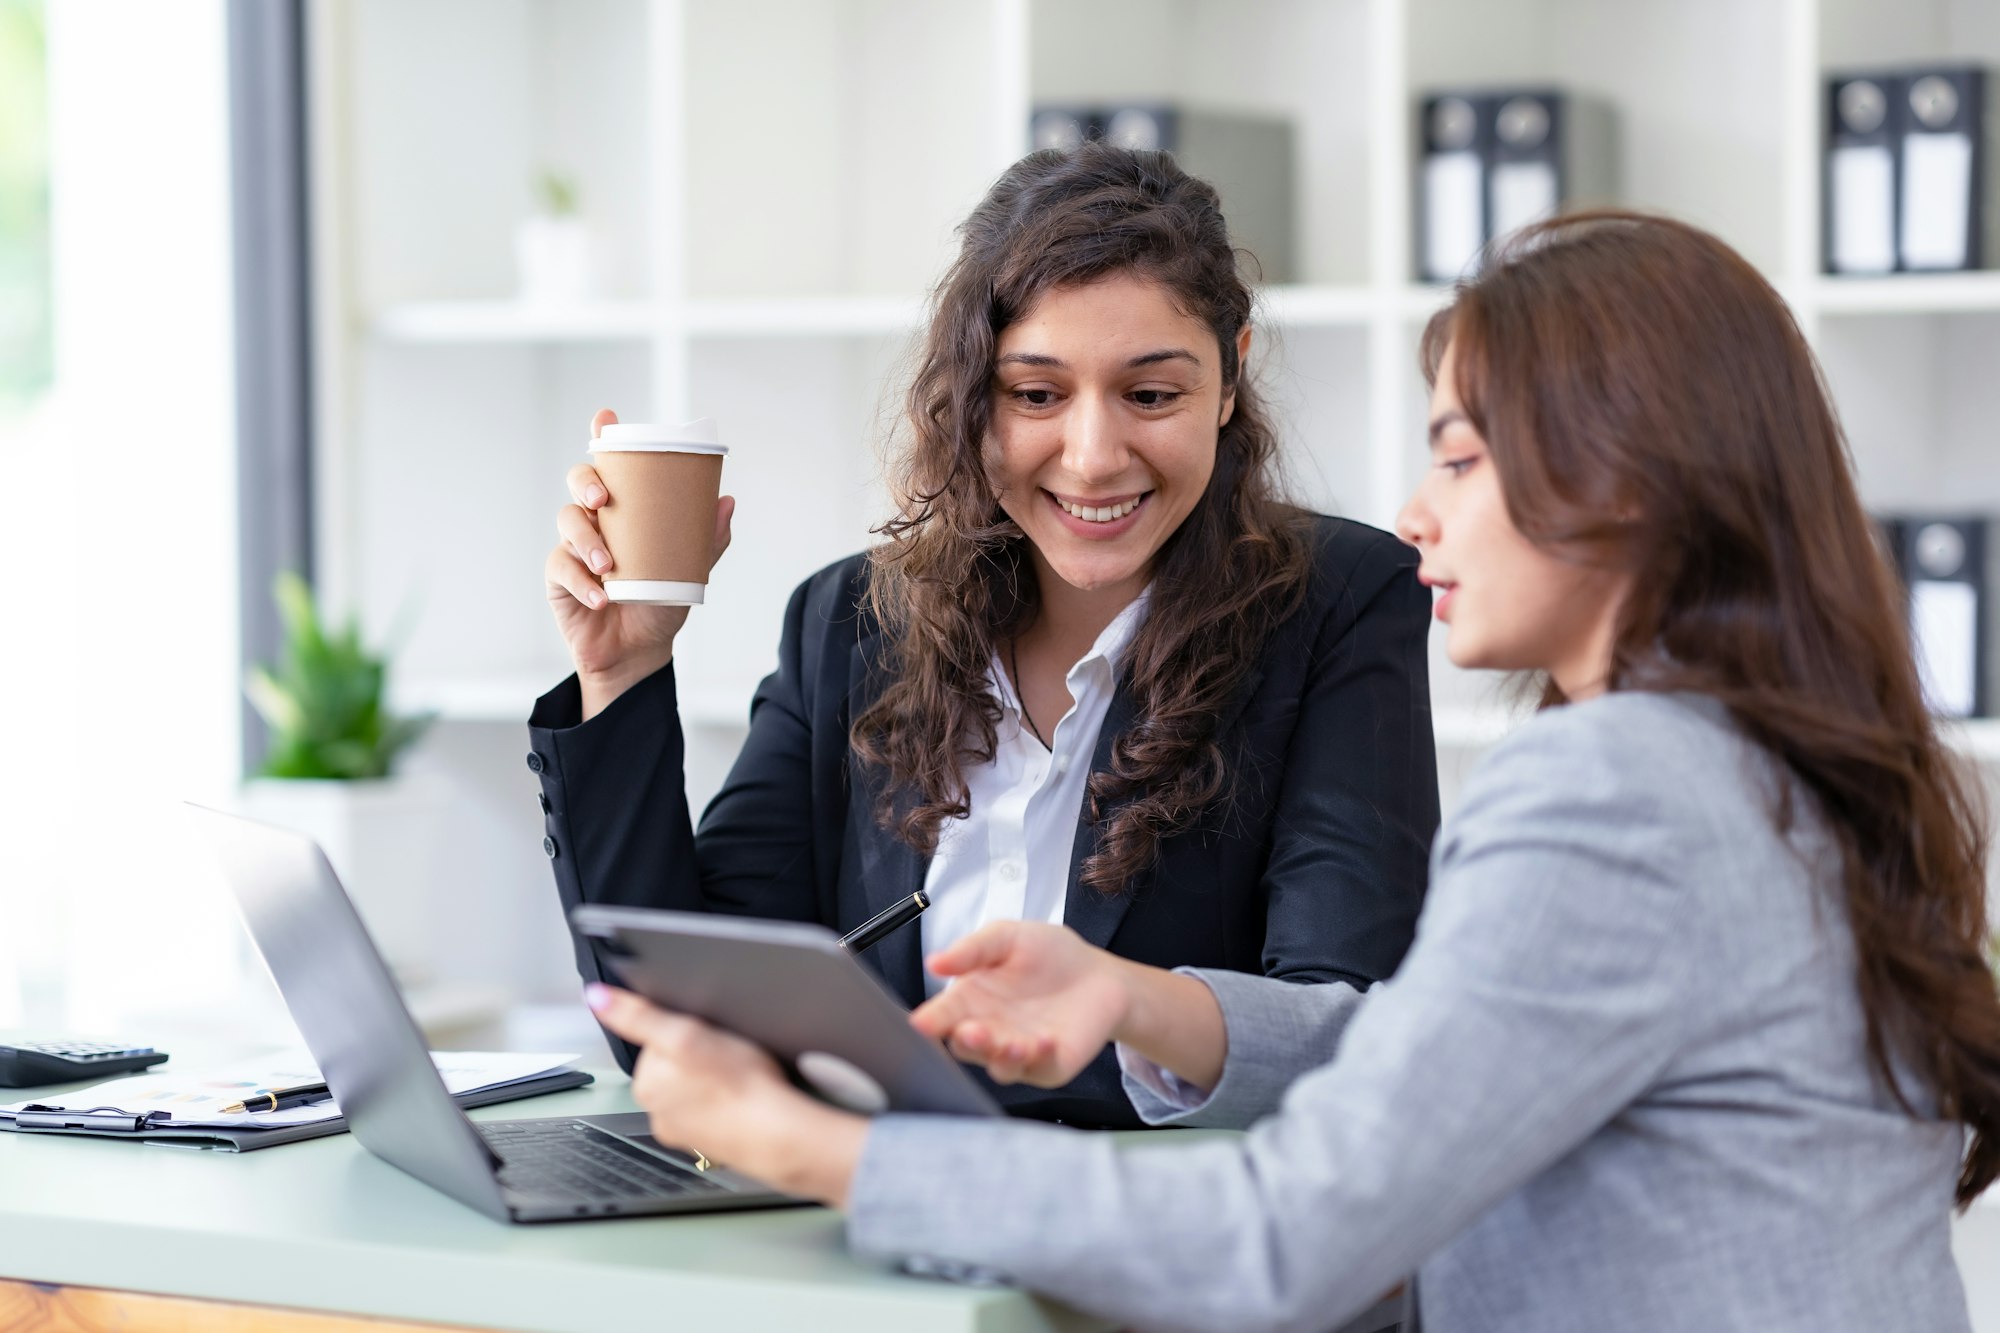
[(871, 931), (282, 1099)]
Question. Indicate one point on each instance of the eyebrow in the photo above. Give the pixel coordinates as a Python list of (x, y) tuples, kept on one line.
[(1057, 363), (1445, 419)]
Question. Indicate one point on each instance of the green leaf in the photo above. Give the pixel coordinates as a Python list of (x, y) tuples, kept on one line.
[(323, 698)]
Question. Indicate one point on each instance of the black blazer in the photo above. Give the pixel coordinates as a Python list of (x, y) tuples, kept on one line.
[(1311, 868)]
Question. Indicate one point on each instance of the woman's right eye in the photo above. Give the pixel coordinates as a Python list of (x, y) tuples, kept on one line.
[(1033, 397)]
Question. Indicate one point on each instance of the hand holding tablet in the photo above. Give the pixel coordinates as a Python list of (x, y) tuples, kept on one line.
[(794, 991)]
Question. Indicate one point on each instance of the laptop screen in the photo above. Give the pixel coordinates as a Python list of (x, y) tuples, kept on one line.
[(347, 1008)]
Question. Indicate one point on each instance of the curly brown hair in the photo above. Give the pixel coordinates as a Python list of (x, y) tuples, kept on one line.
[(1650, 405), (953, 578)]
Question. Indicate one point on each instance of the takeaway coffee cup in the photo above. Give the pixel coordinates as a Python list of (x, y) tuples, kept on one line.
[(659, 524)]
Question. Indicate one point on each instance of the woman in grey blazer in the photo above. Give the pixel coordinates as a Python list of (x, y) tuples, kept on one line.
[(1696, 1032)]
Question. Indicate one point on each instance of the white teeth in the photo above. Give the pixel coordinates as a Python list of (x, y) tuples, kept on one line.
[(1101, 514)]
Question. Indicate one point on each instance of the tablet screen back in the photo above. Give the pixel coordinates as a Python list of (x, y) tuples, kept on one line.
[(791, 988)]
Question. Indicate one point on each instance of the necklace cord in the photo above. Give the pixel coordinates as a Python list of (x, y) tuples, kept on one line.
[(1021, 698)]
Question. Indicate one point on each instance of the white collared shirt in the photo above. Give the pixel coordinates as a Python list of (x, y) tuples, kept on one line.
[(1008, 860)]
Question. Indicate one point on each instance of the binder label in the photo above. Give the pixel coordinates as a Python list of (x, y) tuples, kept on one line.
[(1937, 199), (1863, 184), (1453, 230), (1944, 623), (1523, 192)]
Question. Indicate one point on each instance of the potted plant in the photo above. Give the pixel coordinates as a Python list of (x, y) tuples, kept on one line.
[(552, 245), (330, 774)]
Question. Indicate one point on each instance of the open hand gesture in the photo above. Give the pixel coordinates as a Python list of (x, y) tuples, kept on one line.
[(1031, 1002)]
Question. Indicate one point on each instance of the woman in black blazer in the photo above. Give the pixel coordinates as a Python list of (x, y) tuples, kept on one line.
[(1089, 564)]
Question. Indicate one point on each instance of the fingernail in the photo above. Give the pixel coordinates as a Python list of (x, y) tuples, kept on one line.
[(597, 997), (594, 496), (599, 560), (594, 597)]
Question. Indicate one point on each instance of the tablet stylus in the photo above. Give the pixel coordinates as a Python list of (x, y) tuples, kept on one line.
[(872, 931)]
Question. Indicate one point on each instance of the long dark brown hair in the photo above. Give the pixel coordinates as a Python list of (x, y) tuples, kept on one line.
[(1651, 406), (953, 579)]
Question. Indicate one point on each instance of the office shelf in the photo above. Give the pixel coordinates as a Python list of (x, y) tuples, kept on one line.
[(1977, 738), (800, 317), (1291, 306), (473, 322), (1304, 306), (1908, 294), (1422, 300), (490, 698), (515, 322)]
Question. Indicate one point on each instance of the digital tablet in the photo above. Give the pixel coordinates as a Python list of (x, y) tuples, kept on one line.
[(792, 989)]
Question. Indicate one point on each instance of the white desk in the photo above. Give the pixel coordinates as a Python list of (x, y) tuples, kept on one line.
[(322, 1225)]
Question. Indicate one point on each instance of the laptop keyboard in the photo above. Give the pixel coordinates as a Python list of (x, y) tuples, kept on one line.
[(567, 1160)]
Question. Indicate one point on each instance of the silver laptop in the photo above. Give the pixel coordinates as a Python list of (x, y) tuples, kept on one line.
[(376, 1064)]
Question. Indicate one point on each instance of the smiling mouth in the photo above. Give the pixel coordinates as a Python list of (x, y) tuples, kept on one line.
[(1108, 512)]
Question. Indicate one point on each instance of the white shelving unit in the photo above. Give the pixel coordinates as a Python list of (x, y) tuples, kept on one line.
[(773, 185)]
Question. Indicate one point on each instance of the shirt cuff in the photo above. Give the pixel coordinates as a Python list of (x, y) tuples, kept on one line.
[(1158, 1094)]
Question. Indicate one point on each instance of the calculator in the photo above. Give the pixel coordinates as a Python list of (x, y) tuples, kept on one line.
[(38, 1062)]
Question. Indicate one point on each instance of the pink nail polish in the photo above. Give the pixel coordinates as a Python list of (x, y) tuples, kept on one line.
[(597, 997)]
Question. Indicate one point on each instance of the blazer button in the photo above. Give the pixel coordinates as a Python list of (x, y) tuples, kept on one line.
[(534, 762), (549, 848)]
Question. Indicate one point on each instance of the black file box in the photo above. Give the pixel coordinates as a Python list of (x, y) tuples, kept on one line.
[(1249, 159), (1944, 222), (1948, 578), (1858, 229), (1495, 161), (1457, 140)]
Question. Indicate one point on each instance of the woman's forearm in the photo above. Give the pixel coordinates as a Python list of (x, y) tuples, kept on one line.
[(1174, 1021)]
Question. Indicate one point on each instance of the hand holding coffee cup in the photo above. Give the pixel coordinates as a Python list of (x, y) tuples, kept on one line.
[(636, 546)]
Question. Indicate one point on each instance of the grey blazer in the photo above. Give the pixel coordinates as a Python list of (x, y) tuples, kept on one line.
[(1618, 1083)]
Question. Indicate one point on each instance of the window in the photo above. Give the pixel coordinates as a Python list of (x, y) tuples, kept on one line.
[(26, 343), (118, 656)]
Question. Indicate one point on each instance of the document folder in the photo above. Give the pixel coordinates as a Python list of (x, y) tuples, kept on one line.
[(1944, 562), (1452, 188), (1861, 146), (112, 1122), (1946, 151)]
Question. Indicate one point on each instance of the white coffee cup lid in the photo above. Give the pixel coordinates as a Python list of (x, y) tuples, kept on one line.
[(693, 437)]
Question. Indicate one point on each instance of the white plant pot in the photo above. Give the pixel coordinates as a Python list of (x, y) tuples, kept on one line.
[(384, 837), (554, 259)]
